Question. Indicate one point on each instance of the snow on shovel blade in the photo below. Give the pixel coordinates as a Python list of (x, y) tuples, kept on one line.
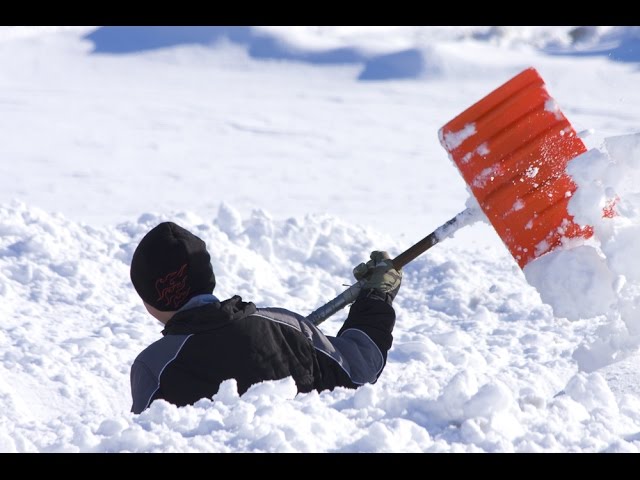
[(512, 148)]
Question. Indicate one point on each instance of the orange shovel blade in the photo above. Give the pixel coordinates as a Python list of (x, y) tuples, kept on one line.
[(512, 148)]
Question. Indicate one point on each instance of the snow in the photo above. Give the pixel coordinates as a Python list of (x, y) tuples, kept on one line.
[(454, 139), (486, 175), (552, 107), (293, 170), (576, 282), (601, 277), (483, 149)]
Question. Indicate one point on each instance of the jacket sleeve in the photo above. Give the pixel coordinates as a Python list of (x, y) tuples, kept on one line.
[(143, 386), (358, 354), (375, 317)]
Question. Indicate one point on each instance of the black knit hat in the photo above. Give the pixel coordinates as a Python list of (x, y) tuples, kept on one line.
[(170, 266)]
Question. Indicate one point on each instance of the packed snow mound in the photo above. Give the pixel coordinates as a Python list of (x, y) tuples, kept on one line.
[(602, 276), (476, 361), (575, 282)]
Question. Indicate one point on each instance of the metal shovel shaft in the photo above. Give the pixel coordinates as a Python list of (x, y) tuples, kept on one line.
[(445, 230)]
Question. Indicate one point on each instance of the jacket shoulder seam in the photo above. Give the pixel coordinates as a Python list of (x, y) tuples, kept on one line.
[(163, 369)]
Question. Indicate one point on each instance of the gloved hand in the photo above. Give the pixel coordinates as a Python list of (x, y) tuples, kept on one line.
[(379, 275)]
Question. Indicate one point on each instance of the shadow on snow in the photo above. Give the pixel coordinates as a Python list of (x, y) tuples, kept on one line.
[(620, 45), (260, 45)]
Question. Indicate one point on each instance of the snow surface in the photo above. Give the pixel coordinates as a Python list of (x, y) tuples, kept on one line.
[(293, 170), (601, 277)]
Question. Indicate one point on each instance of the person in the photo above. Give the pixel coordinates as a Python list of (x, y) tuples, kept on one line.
[(206, 341)]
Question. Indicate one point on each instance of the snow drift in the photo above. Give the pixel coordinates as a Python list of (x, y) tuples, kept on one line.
[(475, 365)]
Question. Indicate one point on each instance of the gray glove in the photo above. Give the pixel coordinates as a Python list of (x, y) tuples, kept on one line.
[(379, 275)]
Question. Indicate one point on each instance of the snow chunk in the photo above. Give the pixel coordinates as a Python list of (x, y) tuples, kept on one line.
[(453, 140), (229, 220), (592, 391), (576, 283), (483, 149), (551, 106), (489, 399), (532, 171), (486, 175)]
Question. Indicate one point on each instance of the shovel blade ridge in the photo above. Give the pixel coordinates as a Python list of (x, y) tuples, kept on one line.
[(512, 148)]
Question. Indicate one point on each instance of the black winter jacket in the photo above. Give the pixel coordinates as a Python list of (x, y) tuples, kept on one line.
[(203, 346)]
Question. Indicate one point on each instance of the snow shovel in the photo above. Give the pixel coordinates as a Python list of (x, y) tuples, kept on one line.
[(511, 148)]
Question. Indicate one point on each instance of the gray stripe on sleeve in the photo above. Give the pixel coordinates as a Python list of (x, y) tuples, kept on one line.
[(354, 351), (148, 367), (365, 358)]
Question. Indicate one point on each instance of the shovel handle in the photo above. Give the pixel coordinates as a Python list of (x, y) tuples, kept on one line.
[(440, 233), (443, 231)]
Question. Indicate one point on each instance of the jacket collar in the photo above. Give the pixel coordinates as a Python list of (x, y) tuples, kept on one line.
[(208, 316), (198, 301)]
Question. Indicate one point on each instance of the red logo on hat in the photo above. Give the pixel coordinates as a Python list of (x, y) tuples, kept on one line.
[(172, 288)]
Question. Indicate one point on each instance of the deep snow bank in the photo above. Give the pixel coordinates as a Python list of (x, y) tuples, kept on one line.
[(601, 276), (476, 361)]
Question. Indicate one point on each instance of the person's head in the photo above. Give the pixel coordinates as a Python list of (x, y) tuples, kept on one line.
[(170, 266)]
